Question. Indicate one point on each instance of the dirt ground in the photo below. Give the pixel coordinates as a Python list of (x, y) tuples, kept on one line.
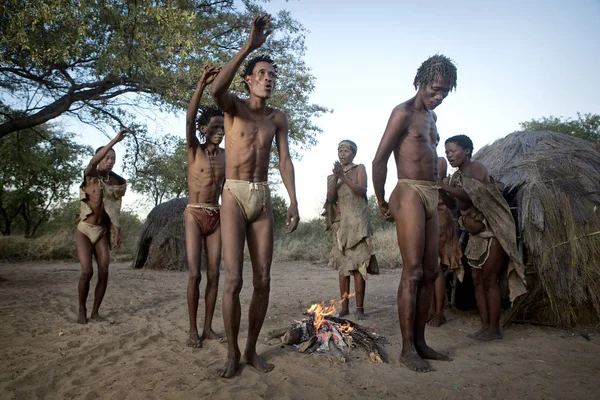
[(141, 352)]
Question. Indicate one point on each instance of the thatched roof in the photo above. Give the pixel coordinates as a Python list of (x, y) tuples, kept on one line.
[(556, 180)]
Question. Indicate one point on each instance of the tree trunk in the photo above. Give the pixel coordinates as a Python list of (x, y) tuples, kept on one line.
[(27, 220), (6, 228), (36, 226)]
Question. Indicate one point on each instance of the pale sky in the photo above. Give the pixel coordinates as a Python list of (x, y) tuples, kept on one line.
[(516, 60)]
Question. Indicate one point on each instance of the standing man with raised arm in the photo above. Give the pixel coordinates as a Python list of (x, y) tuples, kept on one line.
[(411, 134), (205, 175), (250, 127)]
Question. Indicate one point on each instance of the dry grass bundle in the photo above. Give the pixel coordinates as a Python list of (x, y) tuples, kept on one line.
[(555, 180)]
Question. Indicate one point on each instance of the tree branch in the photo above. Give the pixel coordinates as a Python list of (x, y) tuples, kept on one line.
[(27, 75), (63, 104)]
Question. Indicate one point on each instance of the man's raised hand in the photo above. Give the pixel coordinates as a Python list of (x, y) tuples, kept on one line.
[(121, 135), (258, 34), (208, 75)]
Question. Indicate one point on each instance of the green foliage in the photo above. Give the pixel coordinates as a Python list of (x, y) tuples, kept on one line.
[(586, 126), (63, 217), (279, 210), (37, 169), (377, 223), (158, 169), (130, 231), (104, 61)]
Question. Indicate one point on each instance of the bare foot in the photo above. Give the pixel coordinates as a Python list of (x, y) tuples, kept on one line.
[(430, 354), (82, 318), (429, 316), (194, 340), (487, 336), (257, 362), (437, 320), (479, 332), (97, 318), (343, 313), (211, 335), (360, 314), (414, 362), (231, 367)]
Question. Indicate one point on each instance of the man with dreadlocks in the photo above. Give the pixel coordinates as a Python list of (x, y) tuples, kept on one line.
[(205, 174), (348, 220), (411, 134), (250, 126)]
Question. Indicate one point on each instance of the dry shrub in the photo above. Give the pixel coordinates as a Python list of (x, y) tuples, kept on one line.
[(130, 231), (386, 248), (59, 243), (58, 246), (14, 248), (311, 242)]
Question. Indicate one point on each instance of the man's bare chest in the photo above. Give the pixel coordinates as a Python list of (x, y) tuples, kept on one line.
[(254, 132), (421, 128), (200, 163)]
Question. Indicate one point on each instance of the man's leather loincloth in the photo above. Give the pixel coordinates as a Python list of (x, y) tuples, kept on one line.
[(93, 232), (428, 191), (253, 198), (208, 216)]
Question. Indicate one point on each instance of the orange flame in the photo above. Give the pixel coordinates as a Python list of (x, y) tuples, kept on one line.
[(321, 311), (346, 328)]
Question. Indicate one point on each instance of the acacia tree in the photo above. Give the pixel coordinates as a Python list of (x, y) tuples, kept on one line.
[(37, 170), (586, 126), (99, 61)]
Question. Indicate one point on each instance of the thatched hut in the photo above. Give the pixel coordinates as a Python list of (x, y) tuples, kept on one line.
[(553, 182), (162, 238)]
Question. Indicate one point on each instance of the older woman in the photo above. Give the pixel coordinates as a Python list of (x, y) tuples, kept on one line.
[(100, 194), (347, 217)]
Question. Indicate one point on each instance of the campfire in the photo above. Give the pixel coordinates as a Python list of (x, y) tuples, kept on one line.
[(323, 331)]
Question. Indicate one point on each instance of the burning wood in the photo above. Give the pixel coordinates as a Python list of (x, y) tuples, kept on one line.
[(323, 331)]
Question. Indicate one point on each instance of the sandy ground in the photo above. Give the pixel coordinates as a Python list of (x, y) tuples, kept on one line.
[(141, 352)]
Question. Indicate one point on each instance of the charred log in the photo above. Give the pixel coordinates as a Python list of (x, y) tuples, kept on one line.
[(336, 336)]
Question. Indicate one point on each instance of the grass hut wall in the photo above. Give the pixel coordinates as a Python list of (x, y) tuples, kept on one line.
[(161, 243), (553, 180)]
